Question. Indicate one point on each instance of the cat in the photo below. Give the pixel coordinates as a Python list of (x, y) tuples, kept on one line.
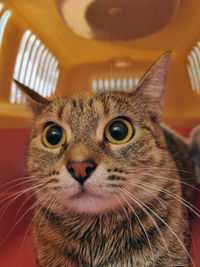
[(194, 149), (113, 185)]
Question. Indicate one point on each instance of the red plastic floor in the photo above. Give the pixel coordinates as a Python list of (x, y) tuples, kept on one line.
[(16, 247)]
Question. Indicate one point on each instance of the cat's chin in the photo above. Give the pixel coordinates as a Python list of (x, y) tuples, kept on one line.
[(85, 202)]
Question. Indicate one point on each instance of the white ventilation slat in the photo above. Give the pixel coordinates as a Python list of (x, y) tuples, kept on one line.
[(55, 81), (196, 55), (36, 65), (39, 71), (44, 75), (124, 84), (15, 96), (118, 84), (191, 77), (100, 83), (20, 54), (48, 78), (130, 83), (13, 93), (197, 70), (94, 85), (31, 62), (52, 79), (106, 84), (137, 80), (3, 21), (194, 68), (18, 96), (112, 84), (25, 59), (192, 64)]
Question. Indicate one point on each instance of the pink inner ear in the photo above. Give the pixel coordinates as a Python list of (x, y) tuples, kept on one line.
[(151, 90)]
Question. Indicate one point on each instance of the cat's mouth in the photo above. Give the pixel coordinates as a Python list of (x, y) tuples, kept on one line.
[(84, 193), (87, 201)]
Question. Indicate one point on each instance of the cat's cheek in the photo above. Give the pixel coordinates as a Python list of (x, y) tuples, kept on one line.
[(134, 186)]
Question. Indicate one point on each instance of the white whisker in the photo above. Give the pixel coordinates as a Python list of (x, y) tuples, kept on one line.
[(187, 204), (155, 224), (170, 229), (148, 240)]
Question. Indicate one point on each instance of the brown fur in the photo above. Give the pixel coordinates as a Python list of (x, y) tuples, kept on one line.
[(148, 223)]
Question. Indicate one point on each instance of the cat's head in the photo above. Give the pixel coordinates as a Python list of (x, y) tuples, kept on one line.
[(90, 152)]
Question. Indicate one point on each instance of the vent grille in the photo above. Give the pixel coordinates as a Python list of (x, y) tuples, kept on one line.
[(35, 67), (194, 68), (3, 21), (114, 84)]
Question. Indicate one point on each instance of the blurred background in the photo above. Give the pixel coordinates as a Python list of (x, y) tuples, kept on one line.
[(70, 46)]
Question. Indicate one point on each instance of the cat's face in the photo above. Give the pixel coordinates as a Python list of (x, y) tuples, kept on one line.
[(90, 152)]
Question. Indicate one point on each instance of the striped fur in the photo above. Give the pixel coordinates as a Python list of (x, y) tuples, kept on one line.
[(137, 214), (194, 148)]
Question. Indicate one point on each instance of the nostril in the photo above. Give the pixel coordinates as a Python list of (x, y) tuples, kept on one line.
[(89, 169), (71, 170)]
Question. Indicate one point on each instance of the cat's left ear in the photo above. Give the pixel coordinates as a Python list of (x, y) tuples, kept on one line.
[(151, 88), (35, 101)]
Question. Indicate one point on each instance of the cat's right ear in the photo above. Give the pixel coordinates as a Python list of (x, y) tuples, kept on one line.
[(151, 89), (35, 101)]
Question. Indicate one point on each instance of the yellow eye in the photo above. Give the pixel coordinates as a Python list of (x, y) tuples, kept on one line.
[(119, 131), (53, 136)]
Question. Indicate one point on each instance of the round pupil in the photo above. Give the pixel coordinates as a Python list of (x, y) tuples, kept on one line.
[(118, 130), (54, 135)]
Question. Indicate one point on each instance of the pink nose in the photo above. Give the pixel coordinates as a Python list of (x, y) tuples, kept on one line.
[(81, 170)]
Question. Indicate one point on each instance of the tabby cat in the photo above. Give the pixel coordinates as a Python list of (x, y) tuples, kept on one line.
[(112, 184)]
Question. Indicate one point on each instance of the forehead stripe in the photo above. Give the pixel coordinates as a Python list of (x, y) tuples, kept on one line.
[(60, 112)]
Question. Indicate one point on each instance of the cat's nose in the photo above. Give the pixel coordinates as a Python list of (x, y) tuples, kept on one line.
[(81, 170)]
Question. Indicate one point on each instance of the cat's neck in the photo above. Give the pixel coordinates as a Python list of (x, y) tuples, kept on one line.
[(123, 232)]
